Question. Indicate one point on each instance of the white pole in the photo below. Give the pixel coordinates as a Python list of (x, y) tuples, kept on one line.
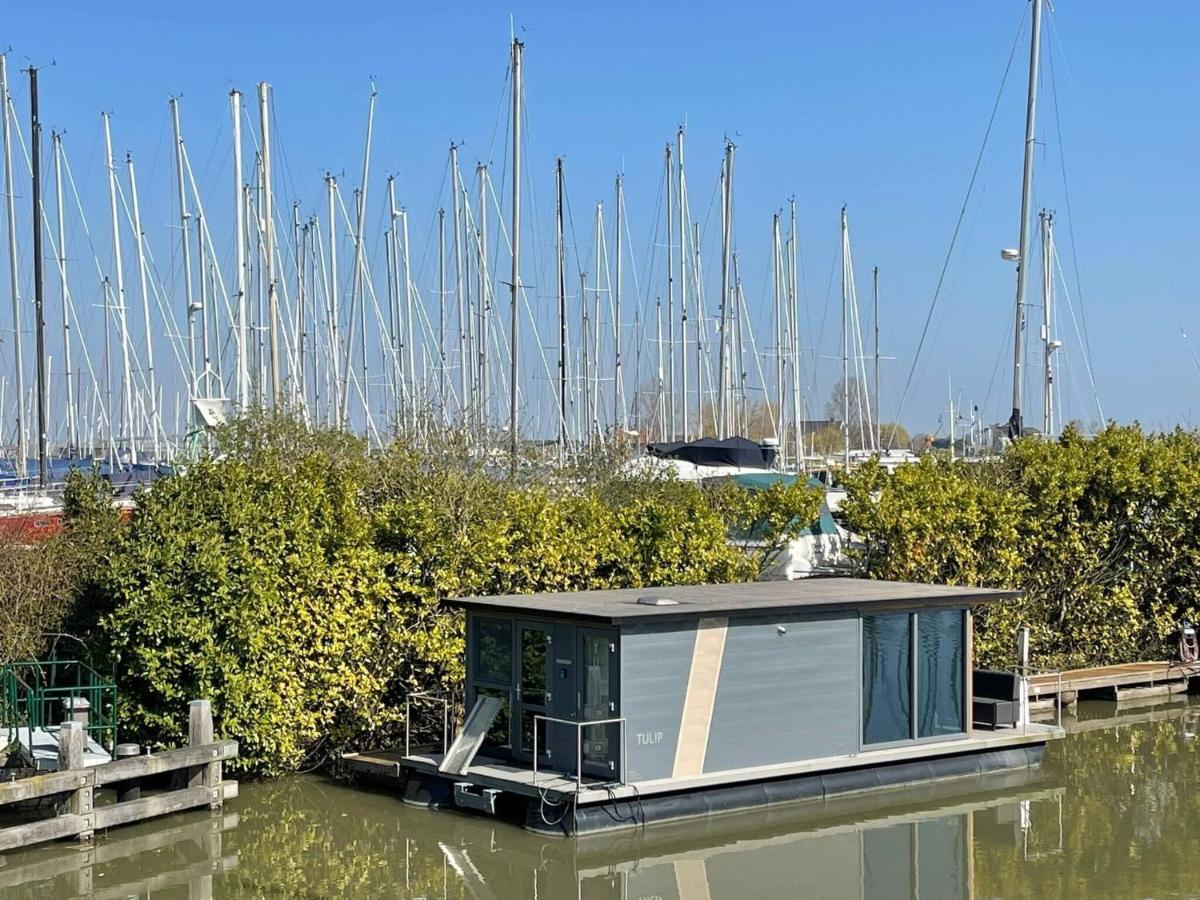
[(1049, 345), (14, 283), (334, 311), (845, 344), (561, 283), (184, 215), (141, 258), (485, 298), (119, 271), (408, 322), (459, 299), (794, 307), (264, 127), (72, 413), (243, 367), (683, 316), (667, 173), (619, 418)]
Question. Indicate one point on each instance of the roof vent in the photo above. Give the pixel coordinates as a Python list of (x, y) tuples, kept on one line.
[(657, 601)]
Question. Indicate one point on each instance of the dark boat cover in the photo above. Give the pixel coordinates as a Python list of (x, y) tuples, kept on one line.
[(734, 451)]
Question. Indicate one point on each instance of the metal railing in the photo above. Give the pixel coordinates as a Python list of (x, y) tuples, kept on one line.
[(1026, 674), (41, 693), (579, 726), (432, 697)]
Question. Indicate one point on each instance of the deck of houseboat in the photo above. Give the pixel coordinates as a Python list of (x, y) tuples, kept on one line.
[(519, 778)]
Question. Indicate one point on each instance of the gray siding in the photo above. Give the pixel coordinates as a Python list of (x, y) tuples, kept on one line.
[(786, 697), (655, 662)]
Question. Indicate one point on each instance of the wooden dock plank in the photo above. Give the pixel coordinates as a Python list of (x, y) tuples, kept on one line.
[(1094, 678)]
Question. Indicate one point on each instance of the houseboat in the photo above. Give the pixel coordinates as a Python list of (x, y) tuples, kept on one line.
[(613, 709)]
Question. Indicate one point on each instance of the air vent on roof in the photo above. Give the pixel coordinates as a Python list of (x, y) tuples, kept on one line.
[(657, 601)]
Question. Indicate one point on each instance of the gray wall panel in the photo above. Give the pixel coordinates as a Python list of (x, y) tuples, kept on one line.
[(655, 662), (786, 697)]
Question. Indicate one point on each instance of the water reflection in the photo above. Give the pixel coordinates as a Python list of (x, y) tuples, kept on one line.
[(1115, 811)]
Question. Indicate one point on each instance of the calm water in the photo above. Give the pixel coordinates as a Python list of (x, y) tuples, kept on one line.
[(1115, 812)]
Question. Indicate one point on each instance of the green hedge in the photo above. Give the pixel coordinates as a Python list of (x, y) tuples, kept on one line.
[(296, 581), (1102, 533)]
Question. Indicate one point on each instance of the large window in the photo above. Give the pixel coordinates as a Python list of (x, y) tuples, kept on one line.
[(887, 678), (940, 668), (913, 675)]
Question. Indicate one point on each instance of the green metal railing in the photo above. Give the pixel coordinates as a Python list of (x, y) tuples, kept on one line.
[(44, 693)]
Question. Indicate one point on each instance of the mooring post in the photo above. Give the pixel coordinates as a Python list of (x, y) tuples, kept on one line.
[(70, 758), (200, 731), (132, 789)]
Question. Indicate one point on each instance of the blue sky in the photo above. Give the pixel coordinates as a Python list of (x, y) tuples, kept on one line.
[(877, 105)]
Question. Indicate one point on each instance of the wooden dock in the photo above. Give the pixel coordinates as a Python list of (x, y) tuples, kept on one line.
[(1125, 681), (201, 785)]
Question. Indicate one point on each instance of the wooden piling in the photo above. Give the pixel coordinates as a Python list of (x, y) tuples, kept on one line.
[(200, 733), (71, 742)]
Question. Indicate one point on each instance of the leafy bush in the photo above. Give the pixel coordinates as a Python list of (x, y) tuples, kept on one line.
[(297, 581), (1102, 534)]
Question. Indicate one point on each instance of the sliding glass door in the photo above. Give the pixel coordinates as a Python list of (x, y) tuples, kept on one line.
[(913, 676)]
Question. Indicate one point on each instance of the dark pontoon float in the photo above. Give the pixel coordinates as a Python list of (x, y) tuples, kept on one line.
[(607, 709)]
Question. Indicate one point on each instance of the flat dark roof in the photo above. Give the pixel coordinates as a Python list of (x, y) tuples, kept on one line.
[(695, 601)]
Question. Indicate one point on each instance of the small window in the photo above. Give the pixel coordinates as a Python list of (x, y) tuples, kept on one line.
[(493, 651)]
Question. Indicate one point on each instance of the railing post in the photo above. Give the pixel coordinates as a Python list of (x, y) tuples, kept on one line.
[(70, 758), (200, 731)]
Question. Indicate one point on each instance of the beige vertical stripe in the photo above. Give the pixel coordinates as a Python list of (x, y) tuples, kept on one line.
[(691, 879), (701, 697)]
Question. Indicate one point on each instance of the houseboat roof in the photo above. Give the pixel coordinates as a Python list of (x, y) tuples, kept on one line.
[(628, 605)]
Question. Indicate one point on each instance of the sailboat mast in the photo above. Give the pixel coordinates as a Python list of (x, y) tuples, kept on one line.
[(515, 279), (683, 316), (14, 282), (243, 367), (875, 319), (845, 346), (618, 418), (264, 127), (1049, 345), (442, 311), (119, 271), (72, 413), (38, 282), (485, 299), (560, 251), (145, 295), (409, 349), (459, 299), (184, 215), (667, 176), (1014, 422), (724, 350), (780, 337), (794, 312)]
